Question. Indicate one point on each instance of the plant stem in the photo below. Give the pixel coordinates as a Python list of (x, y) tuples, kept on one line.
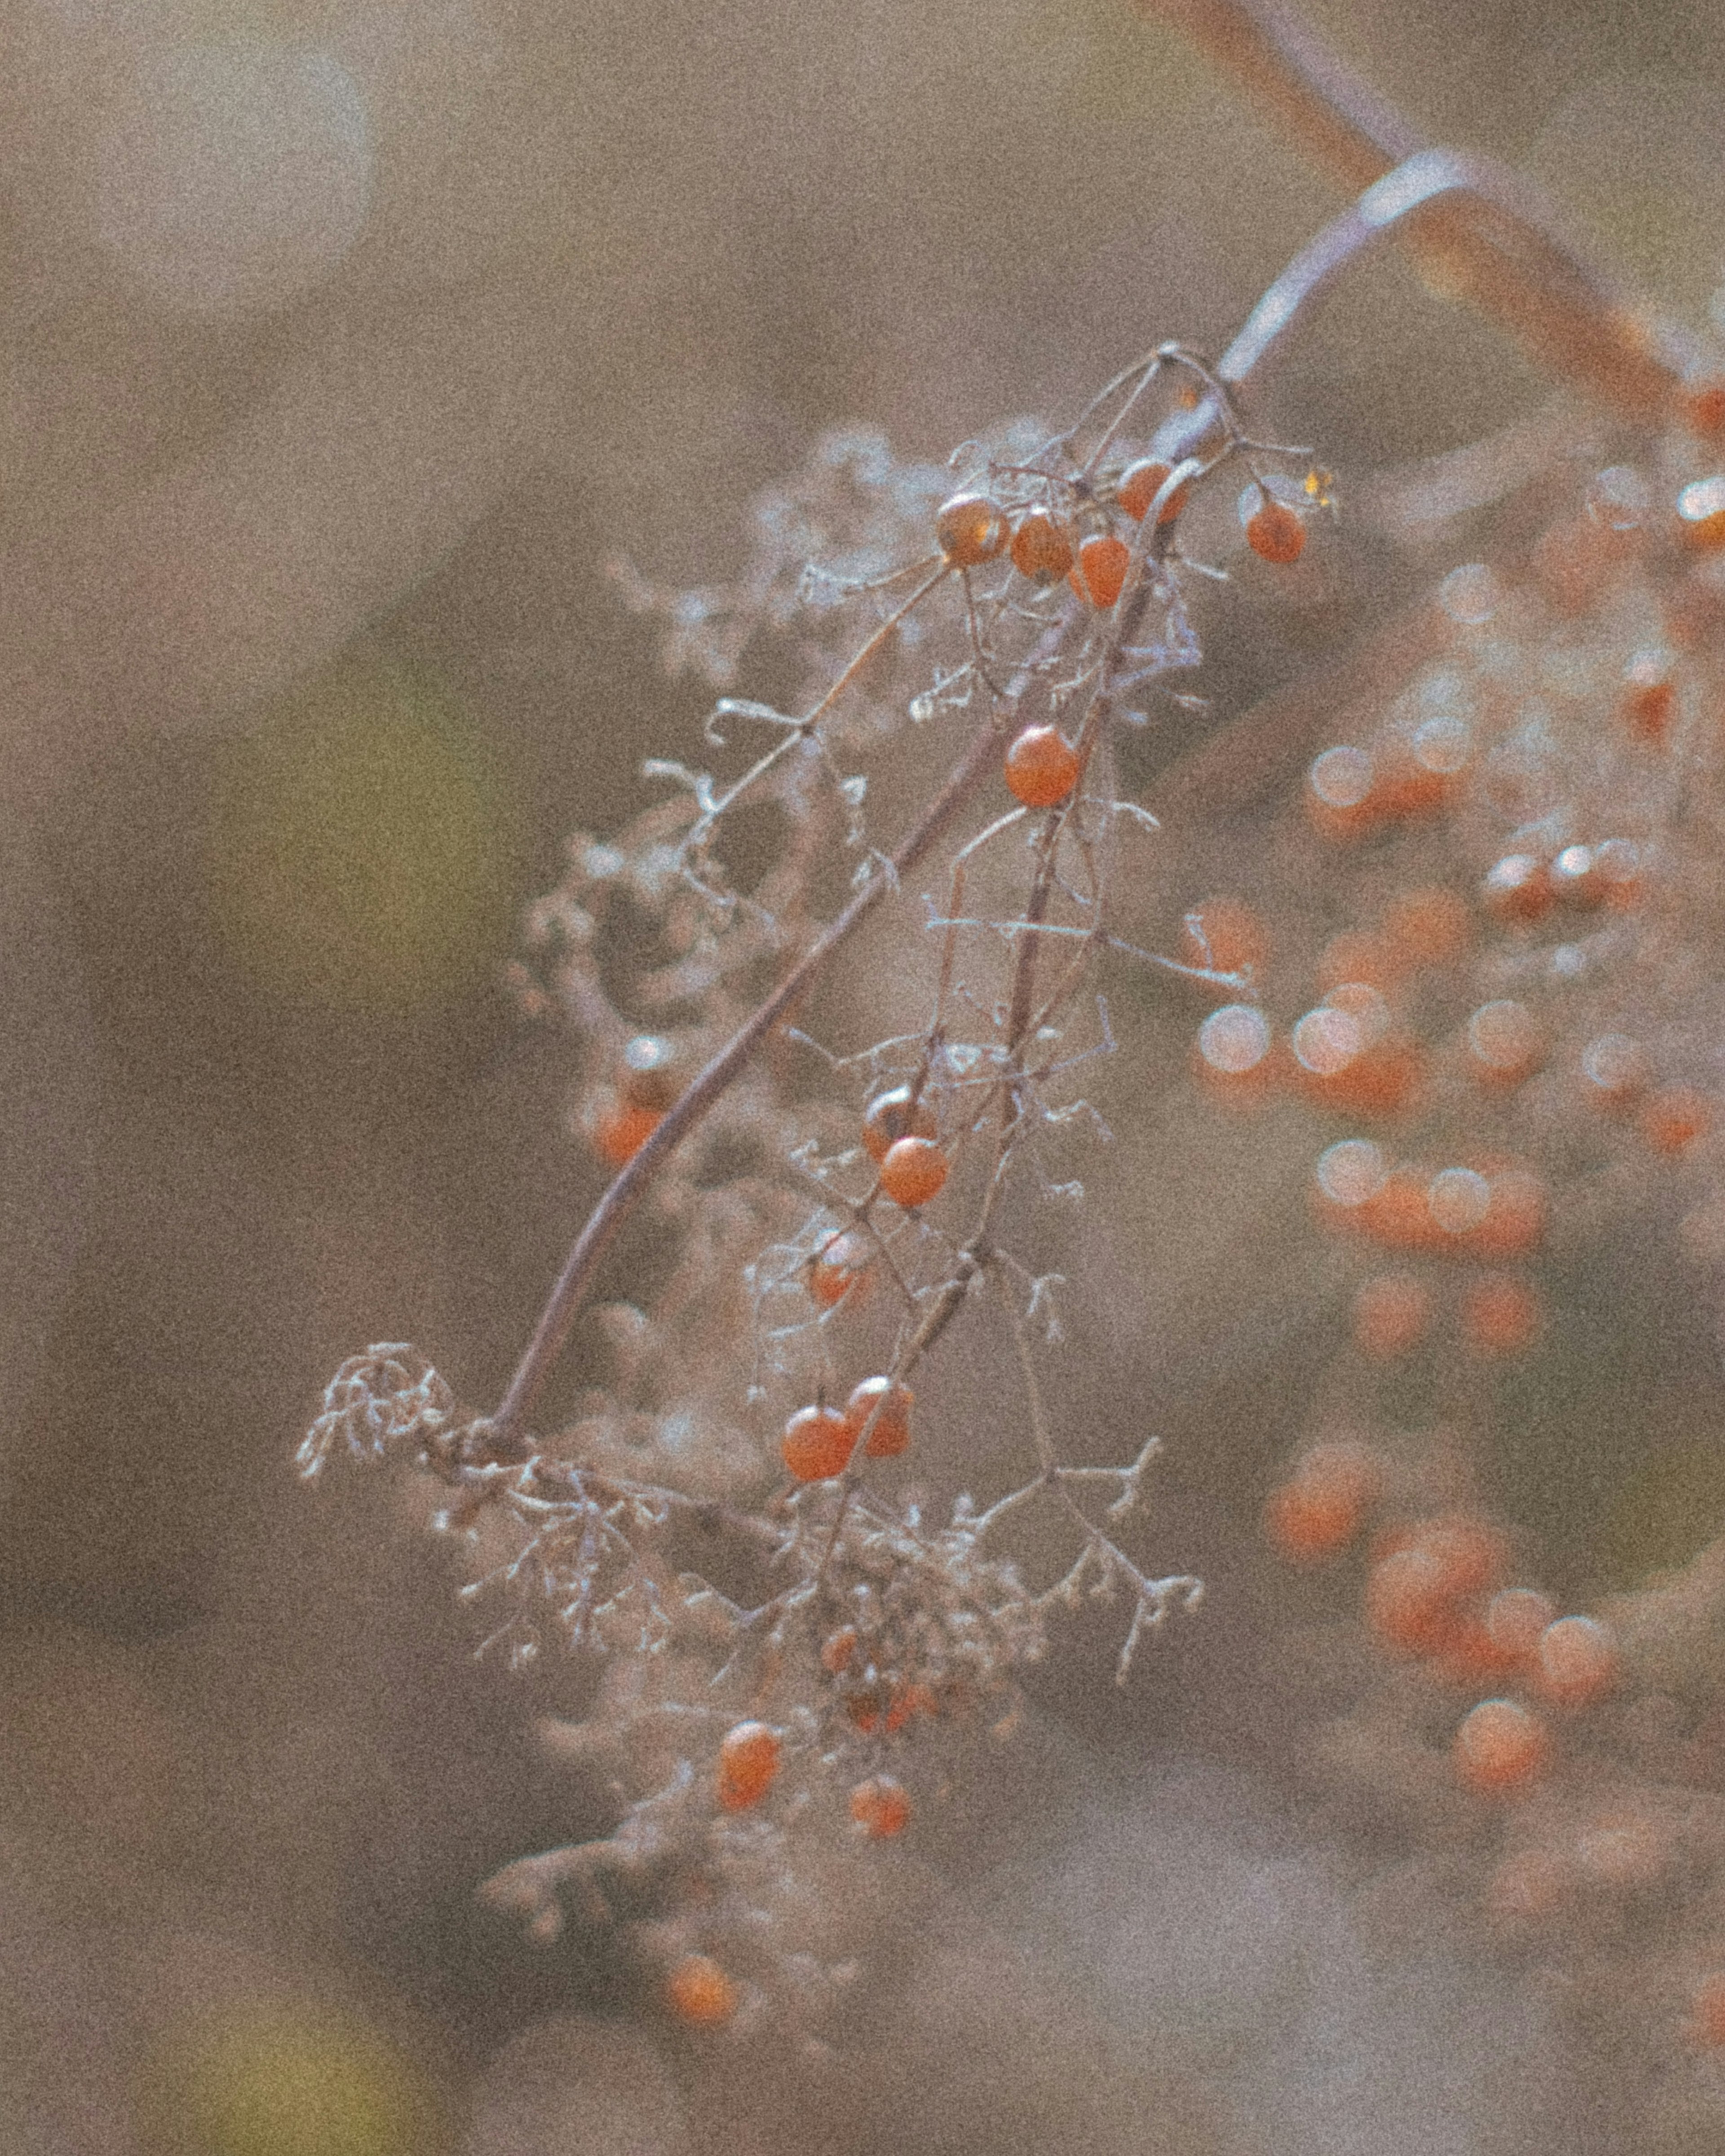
[(705, 1088), (1485, 242)]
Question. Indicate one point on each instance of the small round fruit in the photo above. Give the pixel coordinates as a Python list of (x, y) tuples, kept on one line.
[(1139, 485), (1041, 550), (700, 1993), (892, 1433), (1276, 533), (1100, 576), (894, 1115), (817, 1444), (1041, 766), (970, 531), (749, 1761), (913, 1172), (622, 1131), (1500, 1748), (839, 1267), (881, 1807)]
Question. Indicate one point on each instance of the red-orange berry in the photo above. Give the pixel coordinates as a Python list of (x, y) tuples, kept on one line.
[(1225, 936), (749, 1760), (622, 1131), (1707, 2011), (1100, 575), (837, 1650), (1500, 1748), (1703, 407), (700, 1993), (1276, 533), (1500, 1315), (1041, 548), (1576, 1661), (1674, 1118), (1515, 1618), (650, 1072), (891, 1405), (840, 1268), (1041, 766), (817, 1444), (970, 531), (1139, 485), (913, 1172), (1430, 926), (1316, 1514), (894, 1115), (881, 1807), (1391, 1311), (1517, 888)]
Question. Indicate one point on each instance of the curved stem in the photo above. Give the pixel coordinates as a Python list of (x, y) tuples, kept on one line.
[(1492, 246)]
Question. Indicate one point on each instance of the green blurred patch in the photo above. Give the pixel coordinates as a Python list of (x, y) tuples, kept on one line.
[(361, 847), (1664, 1514), (288, 2081)]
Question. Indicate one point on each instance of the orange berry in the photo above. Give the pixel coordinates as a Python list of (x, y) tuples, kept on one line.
[(1041, 549), (1500, 1315), (969, 530), (1101, 573), (913, 1172), (1042, 767), (817, 1444), (1515, 1618), (1408, 1602), (1470, 1554), (1515, 1216), (1391, 1311), (1340, 796), (892, 1433), (881, 1807), (650, 1072), (839, 1267), (1706, 2009), (1576, 1661), (1233, 1051), (749, 1761), (1674, 1118), (837, 1650), (1703, 407), (1505, 1044), (1276, 533), (908, 1700), (894, 1116), (1501, 1749), (1318, 1513), (622, 1131), (1225, 936), (1648, 708), (1139, 485), (1428, 927), (1701, 515), (699, 1992), (1353, 957), (1517, 888)]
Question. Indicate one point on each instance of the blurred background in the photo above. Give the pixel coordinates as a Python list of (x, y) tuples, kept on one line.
[(341, 347)]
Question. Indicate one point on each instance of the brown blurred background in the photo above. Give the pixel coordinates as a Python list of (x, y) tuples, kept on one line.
[(341, 348)]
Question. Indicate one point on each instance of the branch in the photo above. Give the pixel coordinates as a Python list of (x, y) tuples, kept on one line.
[(1493, 247)]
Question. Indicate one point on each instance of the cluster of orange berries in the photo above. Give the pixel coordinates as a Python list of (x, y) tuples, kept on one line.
[(699, 1990), (1436, 1590), (1042, 766), (819, 1442)]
